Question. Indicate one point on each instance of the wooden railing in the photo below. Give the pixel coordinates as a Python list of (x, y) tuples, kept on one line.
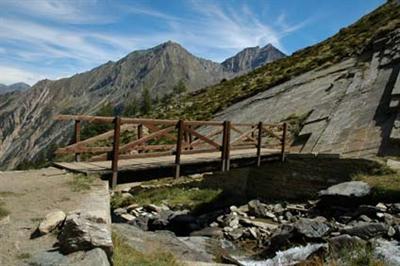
[(156, 137)]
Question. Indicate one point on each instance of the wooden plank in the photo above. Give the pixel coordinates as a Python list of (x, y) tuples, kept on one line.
[(106, 135), (269, 131), (203, 138), (244, 135), (135, 143), (79, 149), (145, 155), (197, 142), (115, 152), (203, 123), (154, 128)]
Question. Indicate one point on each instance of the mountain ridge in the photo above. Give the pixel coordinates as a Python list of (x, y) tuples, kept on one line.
[(18, 86)]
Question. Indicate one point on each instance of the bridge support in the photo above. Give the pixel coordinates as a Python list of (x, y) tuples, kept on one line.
[(225, 149), (178, 148), (115, 151)]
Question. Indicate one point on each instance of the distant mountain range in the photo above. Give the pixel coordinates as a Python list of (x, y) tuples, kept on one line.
[(26, 126), (20, 86)]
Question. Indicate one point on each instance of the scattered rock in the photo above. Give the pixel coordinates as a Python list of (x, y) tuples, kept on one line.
[(259, 209), (312, 228), (52, 220), (366, 230)]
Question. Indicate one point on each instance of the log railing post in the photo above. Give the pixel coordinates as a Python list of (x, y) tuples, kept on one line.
[(225, 150), (178, 152), (259, 138), (77, 138), (115, 152), (228, 146), (140, 133), (283, 141)]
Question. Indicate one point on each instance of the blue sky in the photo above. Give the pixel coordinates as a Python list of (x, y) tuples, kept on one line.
[(57, 38)]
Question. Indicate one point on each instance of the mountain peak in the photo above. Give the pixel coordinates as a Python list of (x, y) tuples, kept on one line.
[(252, 57)]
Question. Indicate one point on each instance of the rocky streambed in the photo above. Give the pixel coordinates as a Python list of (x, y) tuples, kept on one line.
[(343, 225)]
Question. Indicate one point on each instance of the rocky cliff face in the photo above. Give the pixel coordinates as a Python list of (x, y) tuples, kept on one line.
[(26, 127), (252, 58), (350, 108)]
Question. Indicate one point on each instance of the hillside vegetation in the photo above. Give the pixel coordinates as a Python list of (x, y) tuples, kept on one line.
[(350, 41)]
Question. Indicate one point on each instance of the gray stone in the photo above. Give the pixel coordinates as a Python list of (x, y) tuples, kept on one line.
[(94, 257), (366, 230), (259, 209), (311, 228), (52, 220), (395, 208), (365, 218), (166, 241), (391, 231), (235, 234), (387, 251), (350, 189), (127, 217)]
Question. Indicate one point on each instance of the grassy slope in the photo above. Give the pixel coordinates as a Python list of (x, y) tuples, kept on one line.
[(347, 42)]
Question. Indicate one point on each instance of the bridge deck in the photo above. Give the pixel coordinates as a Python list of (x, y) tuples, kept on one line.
[(104, 167)]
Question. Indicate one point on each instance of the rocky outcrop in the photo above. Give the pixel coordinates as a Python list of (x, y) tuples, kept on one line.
[(349, 108)]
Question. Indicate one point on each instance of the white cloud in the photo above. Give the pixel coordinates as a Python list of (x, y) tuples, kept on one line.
[(70, 11), (10, 75), (214, 29)]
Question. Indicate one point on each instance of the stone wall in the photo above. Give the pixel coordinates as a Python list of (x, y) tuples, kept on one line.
[(296, 179)]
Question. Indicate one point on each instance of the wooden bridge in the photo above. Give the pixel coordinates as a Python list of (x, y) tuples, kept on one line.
[(136, 144)]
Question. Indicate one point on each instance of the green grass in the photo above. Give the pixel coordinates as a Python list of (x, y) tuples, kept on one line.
[(357, 255), (385, 187), (24, 256), (81, 182), (125, 255), (174, 197), (3, 211), (348, 42)]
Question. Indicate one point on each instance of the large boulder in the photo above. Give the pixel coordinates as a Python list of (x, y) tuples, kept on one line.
[(83, 231), (94, 257), (348, 194), (51, 222)]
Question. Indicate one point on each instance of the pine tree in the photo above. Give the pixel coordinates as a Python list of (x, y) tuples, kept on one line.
[(146, 104), (132, 108)]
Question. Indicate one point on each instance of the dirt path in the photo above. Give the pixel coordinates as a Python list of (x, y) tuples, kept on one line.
[(29, 196)]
